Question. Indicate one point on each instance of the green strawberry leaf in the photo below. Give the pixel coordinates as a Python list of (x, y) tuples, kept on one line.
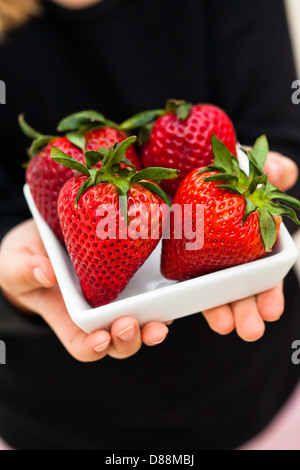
[(243, 178), (156, 190), (123, 201), (250, 208), (86, 185), (78, 120), (108, 154), (156, 174), (121, 149), (127, 162), (222, 155), (260, 151), (235, 165), (93, 157), (123, 188), (211, 168), (256, 181), (61, 157), (77, 139), (181, 108), (100, 150), (184, 111), (280, 209), (255, 168), (268, 229), (230, 187), (144, 133), (101, 178), (271, 188), (39, 143), (223, 177), (280, 196), (141, 119)]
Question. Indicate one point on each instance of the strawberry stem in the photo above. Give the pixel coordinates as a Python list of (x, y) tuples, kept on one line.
[(181, 108), (39, 141), (27, 129)]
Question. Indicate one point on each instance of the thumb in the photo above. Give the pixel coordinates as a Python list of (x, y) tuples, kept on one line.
[(26, 273), (283, 172), (42, 272)]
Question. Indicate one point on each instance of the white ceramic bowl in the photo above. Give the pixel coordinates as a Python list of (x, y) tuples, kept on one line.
[(149, 296)]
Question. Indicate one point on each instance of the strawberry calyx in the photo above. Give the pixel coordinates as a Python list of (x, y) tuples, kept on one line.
[(76, 125), (181, 108), (112, 171), (260, 195), (39, 141), (85, 121), (144, 121)]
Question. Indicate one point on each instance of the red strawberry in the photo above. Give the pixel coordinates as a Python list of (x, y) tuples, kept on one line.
[(106, 137), (46, 177), (240, 220), (108, 247), (92, 131), (180, 137)]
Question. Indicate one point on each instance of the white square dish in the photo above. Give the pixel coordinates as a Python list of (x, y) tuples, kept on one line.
[(149, 296)]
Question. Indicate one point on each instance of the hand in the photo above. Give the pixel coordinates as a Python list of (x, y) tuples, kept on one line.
[(28, 281), (248, 316)]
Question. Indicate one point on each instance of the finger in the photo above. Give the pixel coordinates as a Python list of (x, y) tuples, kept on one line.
[(24, 272), (154, 333), (82, 346), (283, 172), (126, 338), (220, 319), (249, 324), (271, 304), (24, 262), (25, 237)]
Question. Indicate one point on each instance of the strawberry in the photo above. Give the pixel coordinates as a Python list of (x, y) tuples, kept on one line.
[(45, 177), (108, 136), (240, 219), (106, 240), (94, 131), (180, 137)]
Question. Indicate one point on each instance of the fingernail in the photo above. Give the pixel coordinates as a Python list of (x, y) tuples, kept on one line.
[(127, 334), (155, 343), (101, 347), (40, 277)]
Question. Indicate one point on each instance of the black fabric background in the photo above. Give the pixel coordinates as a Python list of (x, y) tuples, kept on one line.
[(197, 390)]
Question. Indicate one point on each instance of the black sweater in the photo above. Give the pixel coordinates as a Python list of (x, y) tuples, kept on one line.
[(197, 390)]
